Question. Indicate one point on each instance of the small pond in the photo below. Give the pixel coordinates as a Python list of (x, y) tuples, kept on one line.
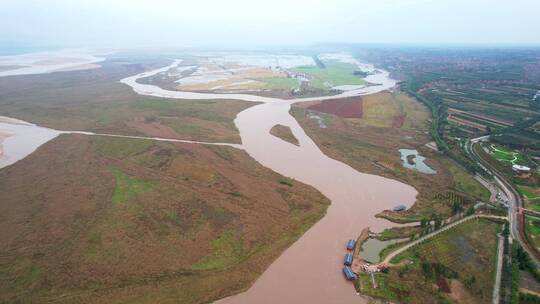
[(373, 247), (411, 159)]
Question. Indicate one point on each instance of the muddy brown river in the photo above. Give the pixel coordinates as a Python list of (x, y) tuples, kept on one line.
[(310, 270)]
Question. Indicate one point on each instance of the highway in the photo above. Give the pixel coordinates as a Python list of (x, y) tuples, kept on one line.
[(513, 198)]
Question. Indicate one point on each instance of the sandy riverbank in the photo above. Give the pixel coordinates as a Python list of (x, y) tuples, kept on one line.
[(18, 139), (48, 62)]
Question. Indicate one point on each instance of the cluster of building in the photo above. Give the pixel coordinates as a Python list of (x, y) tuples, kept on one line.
[(382, 267), (366, 267), (298, 75)]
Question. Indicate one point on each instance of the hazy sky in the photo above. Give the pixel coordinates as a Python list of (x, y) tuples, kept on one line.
[(118, 23)]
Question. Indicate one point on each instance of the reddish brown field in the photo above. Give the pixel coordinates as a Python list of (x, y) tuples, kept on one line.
[(345, 108)]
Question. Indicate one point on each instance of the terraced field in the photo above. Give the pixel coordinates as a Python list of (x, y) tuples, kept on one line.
[(483, 105)]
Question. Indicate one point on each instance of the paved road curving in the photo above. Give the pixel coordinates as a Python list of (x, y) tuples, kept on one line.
[(514, 199), (428, 236)]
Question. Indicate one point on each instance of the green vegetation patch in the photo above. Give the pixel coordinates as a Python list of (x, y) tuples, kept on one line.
[(465, 183), (502, 150), (225, 251), (532, 231), (335, 73), (535, 207), (534, 228), (280, 83), (204, 109), (127, 186), (399, 232), (28, 272), (385, 289), (120, 148), (505, 155), (527, 192)]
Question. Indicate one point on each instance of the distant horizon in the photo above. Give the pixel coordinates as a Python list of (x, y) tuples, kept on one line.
[(253, 24), (11, 49)]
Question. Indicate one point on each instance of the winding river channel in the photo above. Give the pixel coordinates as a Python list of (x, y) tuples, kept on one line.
[(310, 270)]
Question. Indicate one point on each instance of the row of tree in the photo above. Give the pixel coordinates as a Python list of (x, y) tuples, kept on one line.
[(527, 298)]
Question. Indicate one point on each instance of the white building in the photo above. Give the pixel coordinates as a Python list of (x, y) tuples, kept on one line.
[(519, 168)]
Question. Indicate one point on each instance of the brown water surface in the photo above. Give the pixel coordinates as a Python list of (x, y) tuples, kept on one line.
[(310, 270)]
